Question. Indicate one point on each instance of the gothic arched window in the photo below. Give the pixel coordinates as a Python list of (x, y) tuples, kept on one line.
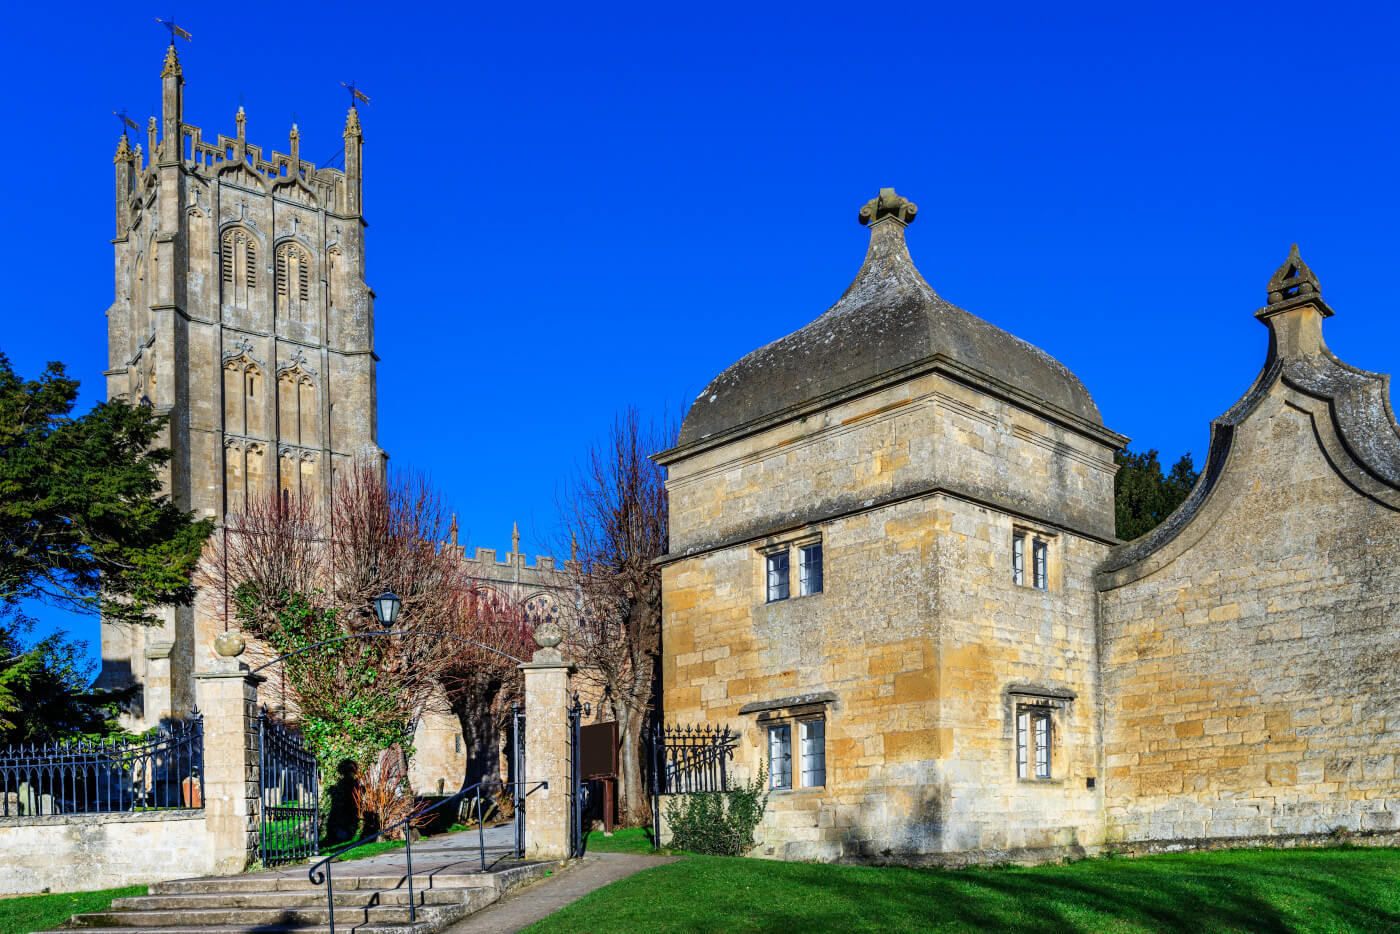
[(238, 265), (293, 280)]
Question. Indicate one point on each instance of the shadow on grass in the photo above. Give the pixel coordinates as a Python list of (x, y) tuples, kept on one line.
[(1262, 890)]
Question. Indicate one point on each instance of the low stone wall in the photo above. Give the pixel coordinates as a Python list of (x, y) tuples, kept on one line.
[(75, 852)]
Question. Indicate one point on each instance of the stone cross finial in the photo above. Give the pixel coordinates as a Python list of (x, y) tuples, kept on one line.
[(1293, 280), (888, 205)]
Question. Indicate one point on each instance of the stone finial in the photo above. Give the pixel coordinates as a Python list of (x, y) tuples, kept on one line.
[(123, 150), (452, 530), (890, 205), (515, 538), (1293, 280), (229, 644), (172, 63), (548, 635), (352, 123), (573, 547)]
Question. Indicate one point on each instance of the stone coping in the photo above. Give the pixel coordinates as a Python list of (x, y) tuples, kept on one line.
[(103, 817)]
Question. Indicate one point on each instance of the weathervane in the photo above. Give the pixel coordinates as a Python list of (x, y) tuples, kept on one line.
[(355, 93), (127, 122), (175, 31)]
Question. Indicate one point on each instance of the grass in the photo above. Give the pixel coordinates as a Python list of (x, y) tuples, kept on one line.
[(623, 840), (1295, 891), (37, 912)]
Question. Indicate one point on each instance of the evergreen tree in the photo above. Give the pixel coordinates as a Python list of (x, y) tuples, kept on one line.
[(83, 522), (84, 526), (1143, 496)]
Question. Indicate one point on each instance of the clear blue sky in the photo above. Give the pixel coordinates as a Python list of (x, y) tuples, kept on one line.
[(578, 207)]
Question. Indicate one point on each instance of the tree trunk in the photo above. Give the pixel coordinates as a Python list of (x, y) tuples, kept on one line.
[(633, 799), (473, 708)]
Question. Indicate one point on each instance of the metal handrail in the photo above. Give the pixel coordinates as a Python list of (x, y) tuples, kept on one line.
[(317, 877)]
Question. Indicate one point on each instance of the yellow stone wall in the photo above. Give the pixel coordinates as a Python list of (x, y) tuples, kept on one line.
[(1249, 666), (919, 632)]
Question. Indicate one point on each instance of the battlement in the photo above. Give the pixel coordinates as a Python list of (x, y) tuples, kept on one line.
[(513, 567), (225, 150)]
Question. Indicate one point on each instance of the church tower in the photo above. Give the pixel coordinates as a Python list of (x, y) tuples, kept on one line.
[(241, 308)]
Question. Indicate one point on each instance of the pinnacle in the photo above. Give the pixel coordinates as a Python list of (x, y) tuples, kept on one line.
[(172, 63)]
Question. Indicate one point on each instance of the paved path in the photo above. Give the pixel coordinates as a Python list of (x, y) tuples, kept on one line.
[(541, 899)]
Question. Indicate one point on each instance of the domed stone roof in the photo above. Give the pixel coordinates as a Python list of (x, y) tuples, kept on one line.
[(888, 325)]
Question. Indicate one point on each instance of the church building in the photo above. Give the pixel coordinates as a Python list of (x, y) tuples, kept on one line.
[(893, 571)]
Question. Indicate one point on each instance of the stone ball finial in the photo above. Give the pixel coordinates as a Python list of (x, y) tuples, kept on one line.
[(229, 644), (888, 205), (548, 634)]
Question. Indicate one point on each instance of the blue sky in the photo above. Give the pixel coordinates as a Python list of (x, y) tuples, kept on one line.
[(574, 208)]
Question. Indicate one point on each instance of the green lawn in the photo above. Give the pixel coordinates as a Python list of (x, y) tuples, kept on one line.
[(1312, 890), (623, 840), (37, 912)]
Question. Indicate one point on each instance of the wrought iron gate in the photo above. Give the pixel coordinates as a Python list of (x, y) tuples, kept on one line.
[(517, 777), (578, 788), (289, 818)]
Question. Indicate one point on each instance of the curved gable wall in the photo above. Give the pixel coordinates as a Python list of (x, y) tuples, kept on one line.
[(1248, 645)]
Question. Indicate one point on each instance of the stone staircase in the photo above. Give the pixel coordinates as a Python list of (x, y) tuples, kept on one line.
[(372, 901)]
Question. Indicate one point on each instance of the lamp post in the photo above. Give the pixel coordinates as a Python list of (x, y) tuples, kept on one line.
[(386, 608)]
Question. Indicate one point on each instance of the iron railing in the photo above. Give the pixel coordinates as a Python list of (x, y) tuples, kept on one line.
[(289, 785), (687, 760), (163, 769), (520, 791)]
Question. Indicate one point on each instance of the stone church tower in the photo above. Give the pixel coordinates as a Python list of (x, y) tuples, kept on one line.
[(241, 308)]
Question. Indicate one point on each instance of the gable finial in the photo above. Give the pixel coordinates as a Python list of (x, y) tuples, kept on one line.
[(452, 531), (888, 205), (1293, 280), (515, 538)]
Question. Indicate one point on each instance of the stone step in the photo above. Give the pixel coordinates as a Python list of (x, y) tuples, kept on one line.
[(422, 927), (258, 882), (262, 917), (307, 899)]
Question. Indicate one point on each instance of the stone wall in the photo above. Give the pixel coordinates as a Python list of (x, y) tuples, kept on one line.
[(72, 853), (1249, 665)]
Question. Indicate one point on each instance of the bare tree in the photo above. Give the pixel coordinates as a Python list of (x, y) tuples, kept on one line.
[(616, 512), (481, 684), (291, 575)]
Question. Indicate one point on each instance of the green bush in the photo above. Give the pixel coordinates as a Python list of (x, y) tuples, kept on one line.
[(718, 823)]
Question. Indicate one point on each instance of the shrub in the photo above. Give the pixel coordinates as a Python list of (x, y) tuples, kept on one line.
[(719, 823)]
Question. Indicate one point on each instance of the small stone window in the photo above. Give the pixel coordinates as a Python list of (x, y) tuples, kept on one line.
[(777, 567), (1033, 738), (811, 754), (1030, 559)]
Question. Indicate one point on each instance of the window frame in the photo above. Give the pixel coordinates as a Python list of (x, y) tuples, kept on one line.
[(773, 729), (1033, 565), (804, 569), (771, 584), (804, 725), (1035, 742)]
